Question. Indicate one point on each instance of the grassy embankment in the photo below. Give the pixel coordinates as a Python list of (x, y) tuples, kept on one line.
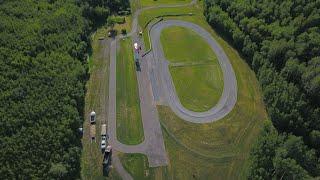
[(97, 100), (217, 150), (129, 124), (194, 67), (161, 2)]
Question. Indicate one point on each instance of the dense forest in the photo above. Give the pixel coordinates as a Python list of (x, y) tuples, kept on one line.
[(43, 70), (280, 40)]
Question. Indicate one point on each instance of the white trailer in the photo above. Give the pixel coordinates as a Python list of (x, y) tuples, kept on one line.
[(103, 130), (103, 137)]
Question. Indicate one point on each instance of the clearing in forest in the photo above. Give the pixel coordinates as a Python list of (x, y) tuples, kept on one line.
[(215, 150)]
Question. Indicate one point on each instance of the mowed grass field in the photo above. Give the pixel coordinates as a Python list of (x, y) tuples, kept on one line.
[(218, 150), (129, 124), (96, 99), (161, 2), (194, 68), (181, 44), (199, 87), (137, 165)]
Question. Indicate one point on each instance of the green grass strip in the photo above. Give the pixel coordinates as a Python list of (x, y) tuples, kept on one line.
[(129, 124)]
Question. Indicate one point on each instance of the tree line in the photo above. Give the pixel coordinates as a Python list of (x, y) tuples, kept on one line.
[(43, 71), (280, 40), (97, 11)]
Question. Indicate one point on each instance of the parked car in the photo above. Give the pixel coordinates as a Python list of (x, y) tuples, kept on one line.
[(92, 117), (103, 143)]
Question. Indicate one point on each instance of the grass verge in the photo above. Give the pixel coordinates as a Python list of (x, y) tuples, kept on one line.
[(129, 124), (96, 99), (137, 165)]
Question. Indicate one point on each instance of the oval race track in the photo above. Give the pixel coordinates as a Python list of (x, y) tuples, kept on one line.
[(160, 66)]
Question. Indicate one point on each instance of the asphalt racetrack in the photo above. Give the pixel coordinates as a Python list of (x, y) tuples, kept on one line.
[(164, 86)]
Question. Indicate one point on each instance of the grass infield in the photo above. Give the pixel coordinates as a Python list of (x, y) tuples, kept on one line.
[(195, 70)]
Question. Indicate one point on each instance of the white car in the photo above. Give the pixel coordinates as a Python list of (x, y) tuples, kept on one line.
[(92, 117), (103, 142), (136, 46)]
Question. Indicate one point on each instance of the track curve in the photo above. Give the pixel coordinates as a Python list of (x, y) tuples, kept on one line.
[(161, 68)]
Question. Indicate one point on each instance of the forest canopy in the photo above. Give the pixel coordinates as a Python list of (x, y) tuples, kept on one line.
[(43, 70), (281, 42)]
